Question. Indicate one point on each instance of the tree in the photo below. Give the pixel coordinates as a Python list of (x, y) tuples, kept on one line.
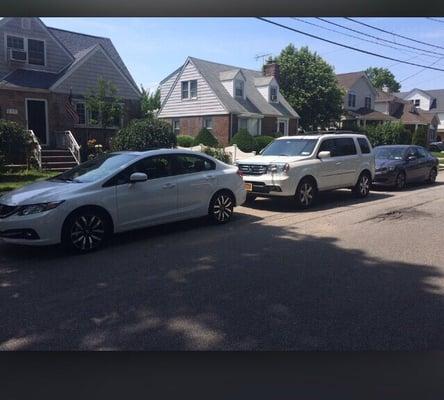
[(310, 86), (380, 77), (104, 106), (420, 136), (149, 102)]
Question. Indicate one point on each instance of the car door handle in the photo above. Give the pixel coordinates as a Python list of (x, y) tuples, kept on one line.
[(210, 177), (338, 163), (168, 186)]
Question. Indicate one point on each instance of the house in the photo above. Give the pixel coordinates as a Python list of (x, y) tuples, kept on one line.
[(45, 74), (224, 99), (359, 101), (430, 102), (407, 112)]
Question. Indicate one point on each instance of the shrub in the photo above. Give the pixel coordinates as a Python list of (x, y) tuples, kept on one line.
[(15, 142), (185, 141), (144, 134), (263, 141), (244, 141), (420, 136), (206, 138), (219, 154), (387, 133), (2, 163)]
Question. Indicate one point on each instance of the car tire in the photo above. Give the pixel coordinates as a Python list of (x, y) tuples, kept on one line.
[(306, 193), (400, 180), (432, 176), (221, 207), (250, 198), (362, 187), (86, 230)]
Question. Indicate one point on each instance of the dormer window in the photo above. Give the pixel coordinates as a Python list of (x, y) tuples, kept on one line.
[(189, 89), (30, 50), (239, 88), (273, 94), (16, 43), (352, 99), (417, 102)]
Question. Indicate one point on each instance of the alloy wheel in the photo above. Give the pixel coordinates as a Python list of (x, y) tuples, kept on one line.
[(87, 232), (306, 192), (364, 185), (222, 208), (432, 175), (400, 181)]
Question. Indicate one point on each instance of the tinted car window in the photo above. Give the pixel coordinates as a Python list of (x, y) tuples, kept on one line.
[(421, 152), (328, 145), (363, 144), (189, 164), (411, 152), (345, 147)]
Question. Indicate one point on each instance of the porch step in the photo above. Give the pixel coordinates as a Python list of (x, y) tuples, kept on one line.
[(57, 160)]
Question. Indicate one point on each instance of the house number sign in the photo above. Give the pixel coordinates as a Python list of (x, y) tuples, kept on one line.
[(12, 111)]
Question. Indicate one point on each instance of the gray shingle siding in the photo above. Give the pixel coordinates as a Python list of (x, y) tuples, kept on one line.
[(86, 76)]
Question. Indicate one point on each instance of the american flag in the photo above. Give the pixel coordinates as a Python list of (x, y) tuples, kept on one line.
[(71, 110)]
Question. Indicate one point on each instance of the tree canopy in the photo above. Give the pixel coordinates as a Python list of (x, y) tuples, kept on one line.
[(149, 102), (309, 84), (380, 77)]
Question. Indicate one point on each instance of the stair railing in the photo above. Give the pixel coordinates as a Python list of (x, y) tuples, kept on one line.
[(37, 149), (67, 141)]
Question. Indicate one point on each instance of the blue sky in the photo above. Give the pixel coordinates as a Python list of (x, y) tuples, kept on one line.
[(154, 47)]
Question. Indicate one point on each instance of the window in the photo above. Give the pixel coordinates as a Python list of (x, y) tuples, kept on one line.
[(282, 126), (208, 123), (421, 153), (189, 164), (273, 94), (15, 42), (352, 99), (368, 103), (243, 123), (363, 144), (176, 126), (345, 146), (328, 145), (93, 117), (239, 88), (417, 102), (189, 89), (36, 52), (80, 109)]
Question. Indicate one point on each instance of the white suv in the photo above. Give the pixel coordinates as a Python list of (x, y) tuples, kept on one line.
[(301, 166)]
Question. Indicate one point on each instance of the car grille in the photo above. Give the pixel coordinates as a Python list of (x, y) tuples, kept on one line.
[(253, 169), (6, 211)]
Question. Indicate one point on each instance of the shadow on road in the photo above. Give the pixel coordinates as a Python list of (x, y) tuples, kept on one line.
[(241, 286), (410, 187), (326, 200)]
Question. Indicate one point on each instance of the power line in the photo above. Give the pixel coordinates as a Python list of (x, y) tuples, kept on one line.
[(436, 19), (381, 39), (417, 73), (394, 34), (357, 37), (348, 47)]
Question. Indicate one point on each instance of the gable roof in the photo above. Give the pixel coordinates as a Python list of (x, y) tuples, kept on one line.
[(382, 96), (77, 43), (348, 79), (436, 94), (254, 103)]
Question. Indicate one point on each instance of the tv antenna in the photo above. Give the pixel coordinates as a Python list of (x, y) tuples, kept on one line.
[(258, 56)]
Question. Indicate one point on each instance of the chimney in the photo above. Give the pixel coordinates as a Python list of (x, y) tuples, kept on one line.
[(385, 88), (272, 69)]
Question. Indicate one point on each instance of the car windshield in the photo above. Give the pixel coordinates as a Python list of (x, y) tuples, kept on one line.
[(98, 168), (290, 147), (386, 153)]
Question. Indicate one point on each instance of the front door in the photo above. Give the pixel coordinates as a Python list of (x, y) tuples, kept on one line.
[(36, 112)]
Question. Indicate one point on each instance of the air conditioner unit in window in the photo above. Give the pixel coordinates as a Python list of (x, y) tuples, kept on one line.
[(18, 55)]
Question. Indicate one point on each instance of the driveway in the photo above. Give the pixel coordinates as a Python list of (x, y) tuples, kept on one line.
[(347, 275)]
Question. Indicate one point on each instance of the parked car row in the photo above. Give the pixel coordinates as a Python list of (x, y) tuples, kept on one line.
[(121, 191)]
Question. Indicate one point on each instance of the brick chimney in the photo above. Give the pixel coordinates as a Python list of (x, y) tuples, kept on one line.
[(272, 69)]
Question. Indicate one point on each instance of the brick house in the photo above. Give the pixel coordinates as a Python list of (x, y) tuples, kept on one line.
[(42, 69), (224, 99)]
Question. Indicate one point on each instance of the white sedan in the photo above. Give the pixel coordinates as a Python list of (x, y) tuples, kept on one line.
[(118, 192)]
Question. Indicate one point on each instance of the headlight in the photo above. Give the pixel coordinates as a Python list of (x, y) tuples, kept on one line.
[(279, 168), (391, 168), (38, 208)]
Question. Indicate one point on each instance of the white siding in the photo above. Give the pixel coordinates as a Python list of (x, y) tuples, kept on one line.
[(166, 86), (206, 103), (441, 121), (362, 89), (382, 107), (229, 86), (265, 90), (424, 100), (56, 57), (96, 67)]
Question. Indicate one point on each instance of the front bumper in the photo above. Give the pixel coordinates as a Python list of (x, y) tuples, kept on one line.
[(39, 229), (270, 185), (385, 178)]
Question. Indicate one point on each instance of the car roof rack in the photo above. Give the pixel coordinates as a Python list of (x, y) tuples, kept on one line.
[(332, 132)]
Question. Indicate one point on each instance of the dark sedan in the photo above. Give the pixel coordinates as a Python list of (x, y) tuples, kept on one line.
[(397, 165)]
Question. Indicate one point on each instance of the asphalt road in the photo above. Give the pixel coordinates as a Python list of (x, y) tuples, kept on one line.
[(347, 275)]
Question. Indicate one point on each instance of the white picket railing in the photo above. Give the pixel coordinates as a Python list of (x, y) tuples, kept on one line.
[(66, 140), (233, 151), (37, 149)]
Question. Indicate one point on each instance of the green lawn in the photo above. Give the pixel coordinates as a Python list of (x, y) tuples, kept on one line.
[(13, 180)]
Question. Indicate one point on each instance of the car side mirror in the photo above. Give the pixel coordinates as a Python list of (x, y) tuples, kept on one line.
[(138, 177), (411, 158), (324, 154)]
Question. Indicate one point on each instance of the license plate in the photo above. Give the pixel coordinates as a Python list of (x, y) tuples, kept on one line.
[(248, 187)]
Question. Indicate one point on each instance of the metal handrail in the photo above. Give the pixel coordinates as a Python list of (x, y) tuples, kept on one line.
[(66, 139), (37, 150)]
